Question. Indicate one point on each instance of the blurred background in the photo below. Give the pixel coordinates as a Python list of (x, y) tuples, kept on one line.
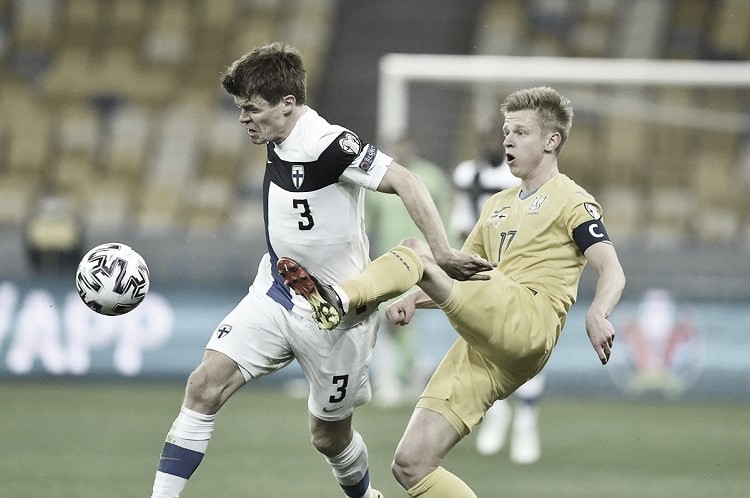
[(113, 126)]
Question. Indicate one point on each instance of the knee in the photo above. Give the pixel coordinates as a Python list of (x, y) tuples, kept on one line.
[(202, 394), (329, 441), (413, 243), (405, 468), (419, 246)]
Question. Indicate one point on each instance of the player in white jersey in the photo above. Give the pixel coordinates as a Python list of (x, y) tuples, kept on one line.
[(313, 208), (477, 179)]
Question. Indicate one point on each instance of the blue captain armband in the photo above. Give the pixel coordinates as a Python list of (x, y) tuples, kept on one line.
[(589, 233)]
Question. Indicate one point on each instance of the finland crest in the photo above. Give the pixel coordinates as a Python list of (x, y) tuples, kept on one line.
[(223, 330), (298, 175)]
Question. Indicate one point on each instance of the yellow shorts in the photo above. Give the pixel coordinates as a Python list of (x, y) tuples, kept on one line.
[(507, 333)]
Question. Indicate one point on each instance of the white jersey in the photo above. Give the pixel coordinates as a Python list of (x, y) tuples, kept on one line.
[(475, 181), (313, 205), (313, 208)]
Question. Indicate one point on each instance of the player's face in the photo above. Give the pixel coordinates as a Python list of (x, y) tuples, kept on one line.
[(524, 141), (264, 122)]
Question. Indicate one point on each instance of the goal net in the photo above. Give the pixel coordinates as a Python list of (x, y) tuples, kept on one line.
[(662, 141)]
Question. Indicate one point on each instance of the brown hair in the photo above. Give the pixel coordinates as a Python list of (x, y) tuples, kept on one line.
[(270, 71)]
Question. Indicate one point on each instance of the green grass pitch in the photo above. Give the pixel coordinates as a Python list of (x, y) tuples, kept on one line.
[(66, 439)]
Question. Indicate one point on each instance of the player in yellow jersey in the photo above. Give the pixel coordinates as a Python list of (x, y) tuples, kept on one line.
[(540, 234)]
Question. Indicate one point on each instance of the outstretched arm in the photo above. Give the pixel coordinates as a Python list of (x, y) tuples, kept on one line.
[(421, 207), (609, 286)]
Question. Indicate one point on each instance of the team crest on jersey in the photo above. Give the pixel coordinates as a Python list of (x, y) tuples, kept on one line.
[(592, 210), (223, 330), (349, 143), (536, 204), (298, 175)]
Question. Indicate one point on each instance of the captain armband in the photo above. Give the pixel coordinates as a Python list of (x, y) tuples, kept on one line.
[(589, 233)]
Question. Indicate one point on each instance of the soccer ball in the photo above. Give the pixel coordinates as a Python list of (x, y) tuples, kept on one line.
[(112, 279)]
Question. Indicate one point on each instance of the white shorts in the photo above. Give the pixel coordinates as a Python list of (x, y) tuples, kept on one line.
[(262, 336)]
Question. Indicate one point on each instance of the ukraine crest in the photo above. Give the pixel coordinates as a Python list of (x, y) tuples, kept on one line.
[(536, 204)]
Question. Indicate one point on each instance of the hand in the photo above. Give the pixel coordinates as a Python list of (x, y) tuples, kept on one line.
[(601, 334), (401, 312), (460, 265)]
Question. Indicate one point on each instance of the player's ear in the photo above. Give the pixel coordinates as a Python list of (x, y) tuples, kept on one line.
[(553, 142), (289, 102)]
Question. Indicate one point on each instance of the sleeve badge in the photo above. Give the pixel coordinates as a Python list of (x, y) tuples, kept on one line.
[(349, 143), (593, 210)]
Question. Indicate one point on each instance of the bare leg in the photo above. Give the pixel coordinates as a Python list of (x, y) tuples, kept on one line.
[(330, 438), (426, 441), (215, 380), (346, 453), (208, 388)]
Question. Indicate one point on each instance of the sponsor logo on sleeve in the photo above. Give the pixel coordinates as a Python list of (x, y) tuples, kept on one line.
[(369, 158)]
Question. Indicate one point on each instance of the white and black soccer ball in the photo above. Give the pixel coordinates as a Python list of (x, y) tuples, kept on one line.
[(112, 279)]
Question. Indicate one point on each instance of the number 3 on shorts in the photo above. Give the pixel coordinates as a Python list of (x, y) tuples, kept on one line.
[(340, 381)]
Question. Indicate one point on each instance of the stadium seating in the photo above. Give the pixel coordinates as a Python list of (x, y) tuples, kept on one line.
[(116, 105)]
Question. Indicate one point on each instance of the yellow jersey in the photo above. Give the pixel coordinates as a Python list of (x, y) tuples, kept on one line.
[(532, 239)]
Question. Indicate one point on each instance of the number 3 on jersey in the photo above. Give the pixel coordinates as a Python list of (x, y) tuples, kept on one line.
[(307, 220)]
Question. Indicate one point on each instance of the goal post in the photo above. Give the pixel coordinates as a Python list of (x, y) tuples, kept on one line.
[(398, 71), (665, 144)]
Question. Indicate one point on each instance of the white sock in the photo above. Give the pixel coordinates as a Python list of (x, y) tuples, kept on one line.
[(343, 297), (183, 451), (350, 468)]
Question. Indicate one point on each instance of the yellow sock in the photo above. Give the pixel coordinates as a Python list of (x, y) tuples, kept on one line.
[(441, 484), (393, 273)]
